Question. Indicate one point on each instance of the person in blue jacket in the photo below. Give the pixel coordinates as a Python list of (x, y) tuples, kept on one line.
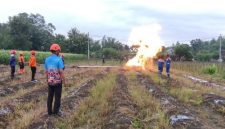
[(168, 63), (12, 63), (160, 65)]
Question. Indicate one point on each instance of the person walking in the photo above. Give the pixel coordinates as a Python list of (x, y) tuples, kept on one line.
[(55, 78), (12, 63), (21, 63), (168, 63), (33, 65), (160, 65)]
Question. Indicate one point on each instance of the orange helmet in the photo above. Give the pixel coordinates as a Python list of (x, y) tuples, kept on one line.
[(55, 47), (33, 52), (13, 52)]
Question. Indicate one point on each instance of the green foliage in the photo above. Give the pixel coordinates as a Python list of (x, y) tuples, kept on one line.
[(210, 69), (110, 53), (29, 31), (207, 50), (137, 124), (77, 42), (204, 56), (183, 51)]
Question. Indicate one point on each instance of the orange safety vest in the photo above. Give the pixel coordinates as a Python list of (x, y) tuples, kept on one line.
[(32, 61), (21, 59)]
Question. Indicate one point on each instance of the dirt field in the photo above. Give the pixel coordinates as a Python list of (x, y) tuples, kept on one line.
[(113, 98)]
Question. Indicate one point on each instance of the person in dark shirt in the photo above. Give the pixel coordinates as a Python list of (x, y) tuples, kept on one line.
[(12, 63)]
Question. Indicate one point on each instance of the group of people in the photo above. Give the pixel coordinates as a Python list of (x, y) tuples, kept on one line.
[(161, 63), (54, 67), (21, 60)]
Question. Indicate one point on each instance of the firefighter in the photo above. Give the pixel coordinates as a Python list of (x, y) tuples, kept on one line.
[(55, 78), (33, 65), (12, 63), (21, 63), (160, 65)]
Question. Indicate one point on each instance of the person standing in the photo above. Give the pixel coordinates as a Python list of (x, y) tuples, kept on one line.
[(21, 63), (33, 65), (12, 63), (103, 59), (160, 65), (62, 57), (55, 78), (168, 63)]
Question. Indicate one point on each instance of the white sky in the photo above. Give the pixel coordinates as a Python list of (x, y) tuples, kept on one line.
[(181, 20)]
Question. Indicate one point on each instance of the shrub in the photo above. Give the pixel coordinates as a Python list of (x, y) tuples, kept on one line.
[(210, 69)]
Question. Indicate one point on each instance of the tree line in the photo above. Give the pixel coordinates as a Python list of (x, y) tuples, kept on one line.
[(31, 32)]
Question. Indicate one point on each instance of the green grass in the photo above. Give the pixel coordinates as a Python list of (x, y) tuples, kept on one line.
[(150, 113), (215, 70), (183, 92), (186, 95)]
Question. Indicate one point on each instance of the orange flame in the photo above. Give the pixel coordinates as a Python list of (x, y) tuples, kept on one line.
[(149, 42)]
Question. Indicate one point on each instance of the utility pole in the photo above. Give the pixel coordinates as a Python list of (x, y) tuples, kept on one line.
[(220, 51), (88, 47)]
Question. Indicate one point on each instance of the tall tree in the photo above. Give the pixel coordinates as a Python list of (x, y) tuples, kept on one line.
[(30, 31), (77, 42), (5, 37), (183, 51)]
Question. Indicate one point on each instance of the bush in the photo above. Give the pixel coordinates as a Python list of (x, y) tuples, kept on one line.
[(210, 69), (110, 53)]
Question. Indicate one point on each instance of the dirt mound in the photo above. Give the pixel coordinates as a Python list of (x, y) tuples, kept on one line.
[(215, 101), (123, 109), (12, 89)]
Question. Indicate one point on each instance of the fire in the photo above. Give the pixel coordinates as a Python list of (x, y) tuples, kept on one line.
[(149, 42)]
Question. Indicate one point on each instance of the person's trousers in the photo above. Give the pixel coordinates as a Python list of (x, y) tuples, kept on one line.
[(160, 70), (13, 69), (54, 92), (21, 64), (168, 71), (33, 70)]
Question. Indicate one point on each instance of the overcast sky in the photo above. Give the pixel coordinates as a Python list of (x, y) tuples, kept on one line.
[(180, 20)]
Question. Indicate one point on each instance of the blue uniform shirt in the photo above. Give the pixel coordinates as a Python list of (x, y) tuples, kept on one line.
[(160, 63), (168, 62), (12, 61), (52, 65)]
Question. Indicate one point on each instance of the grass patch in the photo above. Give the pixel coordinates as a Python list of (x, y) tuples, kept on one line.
[(185, 90), (186, 95), (198, 88), (150, 113), (94, 109)]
